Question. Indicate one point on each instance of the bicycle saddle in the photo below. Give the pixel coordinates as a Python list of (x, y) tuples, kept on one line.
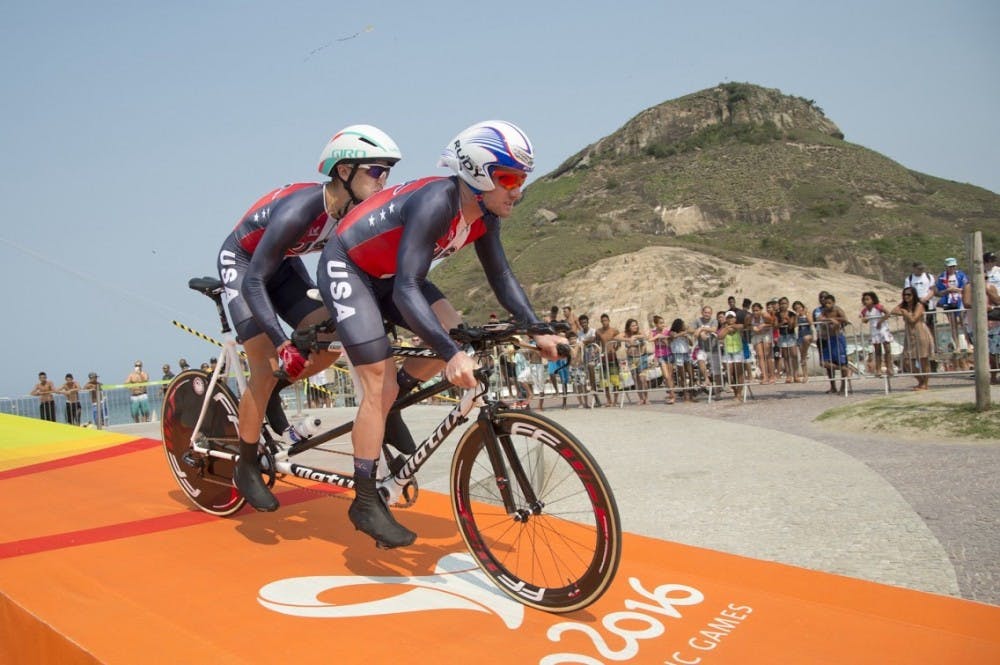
[(208, 286)]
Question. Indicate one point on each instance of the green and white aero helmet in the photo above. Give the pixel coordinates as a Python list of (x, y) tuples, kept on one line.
[(358, 144), (477, 150)]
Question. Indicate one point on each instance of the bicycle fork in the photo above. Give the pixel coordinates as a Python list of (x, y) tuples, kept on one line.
[(505, 462)]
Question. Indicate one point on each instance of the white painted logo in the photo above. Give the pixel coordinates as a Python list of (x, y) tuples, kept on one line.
[(339, 290), (457, 584)]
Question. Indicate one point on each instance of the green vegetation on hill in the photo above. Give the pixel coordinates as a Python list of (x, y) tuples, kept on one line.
[(762, 174)]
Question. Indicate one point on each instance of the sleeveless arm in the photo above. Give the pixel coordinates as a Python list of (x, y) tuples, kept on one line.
[(914, 315)]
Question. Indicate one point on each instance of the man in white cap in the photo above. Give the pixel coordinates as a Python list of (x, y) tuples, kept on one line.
[(948, 288), (923, 283)]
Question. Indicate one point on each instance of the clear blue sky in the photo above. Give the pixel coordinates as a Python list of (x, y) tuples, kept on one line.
[(135, 134)]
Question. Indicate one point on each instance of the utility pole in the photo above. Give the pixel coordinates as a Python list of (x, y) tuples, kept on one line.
[(974, 244)]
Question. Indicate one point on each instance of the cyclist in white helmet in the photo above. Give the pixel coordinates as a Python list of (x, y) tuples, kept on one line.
[(376, 266), (265, 279)]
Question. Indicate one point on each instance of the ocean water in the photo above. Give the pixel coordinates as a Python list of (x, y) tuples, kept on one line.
[(118, 403), (117, 406)]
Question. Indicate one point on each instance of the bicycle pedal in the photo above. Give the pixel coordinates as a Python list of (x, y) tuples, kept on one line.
[(192, 460)]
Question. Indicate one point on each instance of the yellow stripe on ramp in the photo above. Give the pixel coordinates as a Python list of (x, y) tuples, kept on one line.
[(25, 441)]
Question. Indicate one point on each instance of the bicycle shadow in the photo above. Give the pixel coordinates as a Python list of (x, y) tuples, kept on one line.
[(324, 520)]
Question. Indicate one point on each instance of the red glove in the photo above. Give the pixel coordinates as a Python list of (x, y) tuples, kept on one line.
[(292, 361)]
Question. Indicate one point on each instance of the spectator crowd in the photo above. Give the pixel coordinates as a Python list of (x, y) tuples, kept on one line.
[(714, 351), (137, 382), (930, 330)]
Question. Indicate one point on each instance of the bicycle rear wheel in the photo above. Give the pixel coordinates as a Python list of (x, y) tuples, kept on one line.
[(559, 555), (207, 481)]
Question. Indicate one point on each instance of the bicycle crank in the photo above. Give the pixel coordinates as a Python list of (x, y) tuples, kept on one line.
[(267, 466), (411, 491), (193, 459)]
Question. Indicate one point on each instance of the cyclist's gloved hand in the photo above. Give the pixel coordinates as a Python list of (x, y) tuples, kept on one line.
[(293, 363)]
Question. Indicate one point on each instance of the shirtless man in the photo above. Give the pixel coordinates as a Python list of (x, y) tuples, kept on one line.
[(137, 381), (587, 337), (606, 338), (44, 390), (99, 403), (71, 389)]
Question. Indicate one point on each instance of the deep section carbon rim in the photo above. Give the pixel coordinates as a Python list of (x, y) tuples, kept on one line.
[(206, 481), (559, 554)]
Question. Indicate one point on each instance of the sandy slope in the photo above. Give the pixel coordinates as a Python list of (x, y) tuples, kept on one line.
[(675, 282)]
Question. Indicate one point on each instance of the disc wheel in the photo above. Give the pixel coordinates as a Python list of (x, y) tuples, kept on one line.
[(207, 481), (559, 553)]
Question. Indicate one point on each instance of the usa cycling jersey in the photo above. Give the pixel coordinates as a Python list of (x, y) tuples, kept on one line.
[(259, 263), (398, 235), (298, 209), (373, 231)]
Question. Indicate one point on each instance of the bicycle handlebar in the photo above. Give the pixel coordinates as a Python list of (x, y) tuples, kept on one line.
[(479, 338), (305, 340), (494, 334)]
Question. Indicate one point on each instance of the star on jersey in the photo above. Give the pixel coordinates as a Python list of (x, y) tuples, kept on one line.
[(371, 220), (392, 207), (381, 215), (261, 214)]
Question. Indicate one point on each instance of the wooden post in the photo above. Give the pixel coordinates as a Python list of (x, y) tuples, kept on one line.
[(974, 243)]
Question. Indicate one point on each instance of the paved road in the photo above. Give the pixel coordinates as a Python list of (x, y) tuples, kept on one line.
[(952, 487), (761, 479)]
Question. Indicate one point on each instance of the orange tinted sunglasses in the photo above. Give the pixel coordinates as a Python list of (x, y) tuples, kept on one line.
[(509, 179)]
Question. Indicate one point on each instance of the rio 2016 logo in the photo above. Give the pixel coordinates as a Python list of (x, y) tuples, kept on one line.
[(457, 583)]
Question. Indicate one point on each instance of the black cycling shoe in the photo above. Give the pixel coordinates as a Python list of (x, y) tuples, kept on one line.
[(247, 479), (369, 515), (397, 434)]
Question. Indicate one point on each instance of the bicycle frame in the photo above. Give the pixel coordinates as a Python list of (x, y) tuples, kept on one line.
[(229, 359), (531, 504), (393, 484)]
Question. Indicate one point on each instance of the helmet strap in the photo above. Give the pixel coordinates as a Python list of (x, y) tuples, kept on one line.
[(477, 194), (482, 206), (347, 185), (347, 204)]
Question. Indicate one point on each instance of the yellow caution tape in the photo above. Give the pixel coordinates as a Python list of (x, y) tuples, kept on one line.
[(201, 335)]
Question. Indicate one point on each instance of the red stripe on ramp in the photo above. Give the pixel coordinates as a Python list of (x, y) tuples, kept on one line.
[(121, 530)]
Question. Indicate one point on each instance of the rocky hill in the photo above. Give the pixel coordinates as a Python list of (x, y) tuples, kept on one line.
[(731, 175)]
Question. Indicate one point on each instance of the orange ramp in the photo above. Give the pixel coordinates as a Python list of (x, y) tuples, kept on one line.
[(103, 561)]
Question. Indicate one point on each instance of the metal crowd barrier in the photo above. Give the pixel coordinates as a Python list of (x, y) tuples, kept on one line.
[(116, 401), (603, 374)]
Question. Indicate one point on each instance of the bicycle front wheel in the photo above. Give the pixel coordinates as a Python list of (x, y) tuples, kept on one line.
[(558, 553), (207, 481)]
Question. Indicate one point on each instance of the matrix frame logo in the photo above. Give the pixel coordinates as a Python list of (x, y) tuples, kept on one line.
[(457, 583)]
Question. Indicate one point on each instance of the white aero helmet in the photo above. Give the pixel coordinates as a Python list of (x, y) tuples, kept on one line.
[(358, 144), (477, 150)]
